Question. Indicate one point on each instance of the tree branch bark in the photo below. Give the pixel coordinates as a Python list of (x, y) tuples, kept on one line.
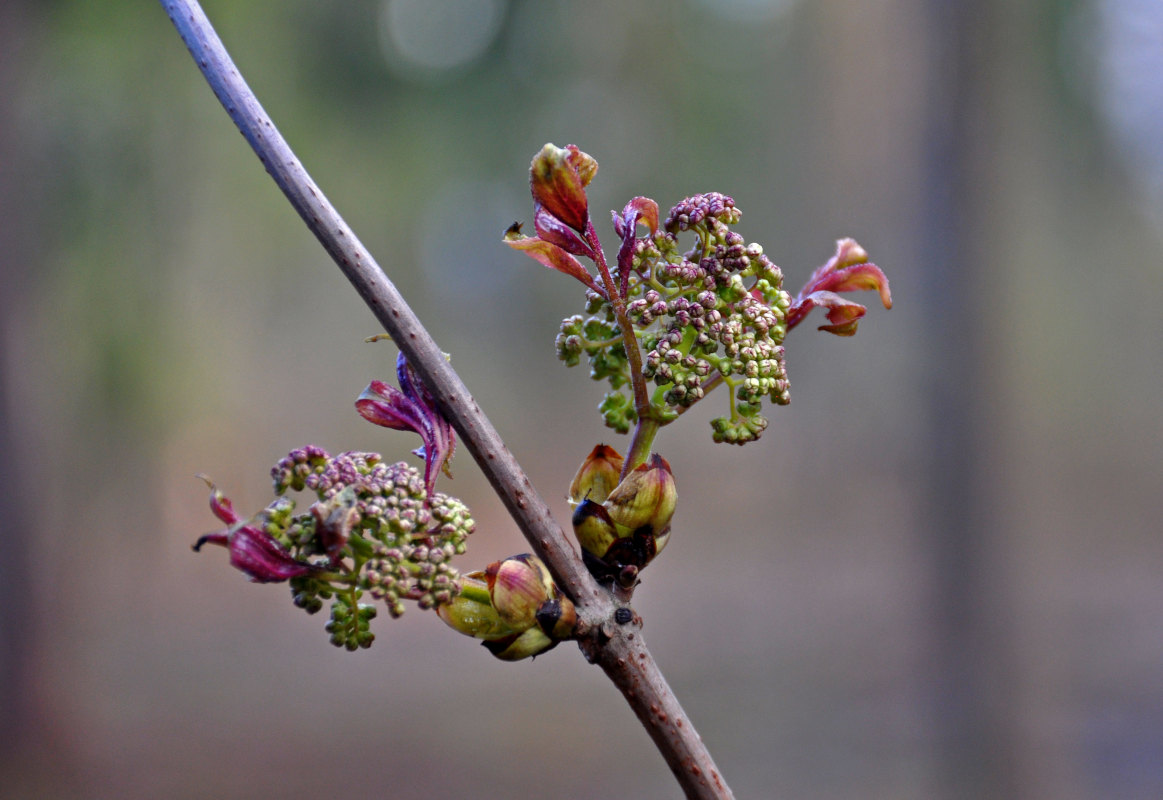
[(618, 649)]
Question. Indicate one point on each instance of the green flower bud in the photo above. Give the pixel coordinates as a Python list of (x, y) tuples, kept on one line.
[(472, 613), (744, 429), (597, 476), (646, 498), (618, 411), (514, 606)]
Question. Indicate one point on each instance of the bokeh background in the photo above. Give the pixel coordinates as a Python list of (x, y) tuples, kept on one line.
[(938, 575)]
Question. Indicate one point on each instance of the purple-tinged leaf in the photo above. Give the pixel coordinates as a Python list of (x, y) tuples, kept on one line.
[(411, 408), (843, 314), (220, 504), (441, 442), (256, 553), (252, 550), (552, 256), (638, 210), (551, 229), (848, 270), (388, 407)]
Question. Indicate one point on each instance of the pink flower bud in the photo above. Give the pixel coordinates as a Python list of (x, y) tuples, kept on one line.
[(518, 586)]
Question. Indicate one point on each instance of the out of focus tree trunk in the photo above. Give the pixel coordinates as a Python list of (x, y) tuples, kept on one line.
[(20, 722), (973, 657)]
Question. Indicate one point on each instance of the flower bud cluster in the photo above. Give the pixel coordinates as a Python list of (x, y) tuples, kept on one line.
[(350, 627), (374, 529), (599, 339), (388, 502), (413, 571), (715, 313)]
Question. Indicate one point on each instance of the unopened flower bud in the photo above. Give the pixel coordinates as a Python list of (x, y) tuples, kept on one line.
[(518, 586), (623, 534), (597, 476), (514, 606), (471, 612), (645, 498)]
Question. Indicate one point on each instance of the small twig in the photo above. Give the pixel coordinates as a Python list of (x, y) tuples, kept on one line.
[(618, 649)]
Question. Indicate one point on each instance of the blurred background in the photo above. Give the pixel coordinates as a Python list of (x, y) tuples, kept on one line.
[(938, 575)]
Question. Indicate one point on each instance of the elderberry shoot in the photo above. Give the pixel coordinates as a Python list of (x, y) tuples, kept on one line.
[(684, 308)]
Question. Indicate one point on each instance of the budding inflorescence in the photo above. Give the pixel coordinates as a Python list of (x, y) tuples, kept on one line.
[(373, 529), (710, 312), (713, 314)]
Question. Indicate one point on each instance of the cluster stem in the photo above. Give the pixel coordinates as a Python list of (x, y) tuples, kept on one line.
[(629, 341), (647, 426)]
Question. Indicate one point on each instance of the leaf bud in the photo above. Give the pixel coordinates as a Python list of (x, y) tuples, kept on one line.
[(557, 179)]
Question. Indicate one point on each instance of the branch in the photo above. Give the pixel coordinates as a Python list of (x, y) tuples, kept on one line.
[(618, 649)]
